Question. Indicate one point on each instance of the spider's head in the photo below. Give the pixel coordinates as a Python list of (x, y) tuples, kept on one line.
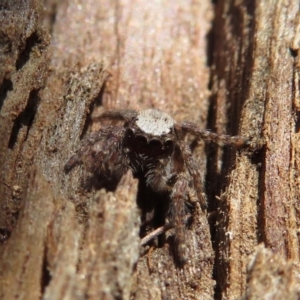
[(154, 122), (152, 133)]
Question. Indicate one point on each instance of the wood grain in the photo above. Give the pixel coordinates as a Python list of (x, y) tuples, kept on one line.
[(230, 66)]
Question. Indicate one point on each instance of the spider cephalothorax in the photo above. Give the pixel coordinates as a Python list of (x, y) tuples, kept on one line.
[(152, 145)]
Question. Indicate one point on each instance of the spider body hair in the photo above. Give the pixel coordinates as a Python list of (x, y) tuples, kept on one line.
[(152, 145)]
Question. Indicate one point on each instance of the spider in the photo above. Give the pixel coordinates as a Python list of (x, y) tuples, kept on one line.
[(153, 146)]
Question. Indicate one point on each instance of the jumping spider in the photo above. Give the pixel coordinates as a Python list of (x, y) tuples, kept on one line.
[(152, 145)]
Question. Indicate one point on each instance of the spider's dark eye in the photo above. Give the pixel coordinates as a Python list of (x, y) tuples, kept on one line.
[(168, 144), (129, 133), (141, 141), (155, 144)]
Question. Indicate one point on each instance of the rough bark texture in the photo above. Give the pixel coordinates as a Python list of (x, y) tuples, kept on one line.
[(232, 66)]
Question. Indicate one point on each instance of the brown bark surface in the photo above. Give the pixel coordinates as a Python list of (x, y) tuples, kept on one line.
[(232, 66)]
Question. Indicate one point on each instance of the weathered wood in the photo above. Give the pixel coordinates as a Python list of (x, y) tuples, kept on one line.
[(270, 276), (238, 75), (254, 78)]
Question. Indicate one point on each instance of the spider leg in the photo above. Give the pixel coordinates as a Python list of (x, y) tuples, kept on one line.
[(99, 147), (179, 197), (117, 115), (84, 149), (208, 136), (193, 168)]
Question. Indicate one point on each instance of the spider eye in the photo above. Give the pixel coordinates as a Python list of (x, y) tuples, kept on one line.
[(155, 144), (168, 144), (141, 140), (130, 133)]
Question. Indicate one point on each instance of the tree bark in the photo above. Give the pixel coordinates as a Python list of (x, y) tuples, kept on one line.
[(231, 67)]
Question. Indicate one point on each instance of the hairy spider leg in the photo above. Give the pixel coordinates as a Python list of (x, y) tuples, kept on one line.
[(110, 155), (109, 135), (83, 150), (193, 169), (179, 197), (208, 136), (117, 115)]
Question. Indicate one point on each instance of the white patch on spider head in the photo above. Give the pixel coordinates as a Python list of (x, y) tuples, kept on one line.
[(154, 122)]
